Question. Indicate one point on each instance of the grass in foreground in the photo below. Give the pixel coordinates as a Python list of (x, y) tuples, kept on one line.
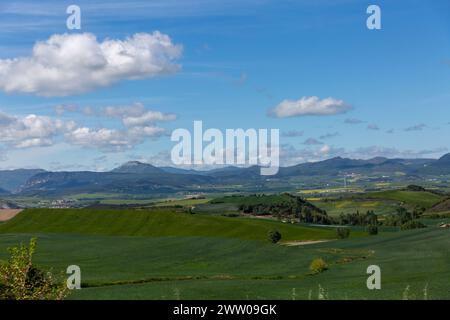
[(222, 268)]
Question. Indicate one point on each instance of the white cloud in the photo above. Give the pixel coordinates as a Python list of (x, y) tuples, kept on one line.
[(325, 149), (31, 130), (104, 139), (147, 117), (138, 124), (309, 106), (137, 115), (134, 110), (112, 140), (75, 63)]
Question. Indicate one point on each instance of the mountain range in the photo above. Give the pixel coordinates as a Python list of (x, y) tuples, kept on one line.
[(141, 178)]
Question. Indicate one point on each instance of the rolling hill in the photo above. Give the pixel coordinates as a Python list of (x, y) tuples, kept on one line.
[(229, 265), (440, 207), (154, 223)]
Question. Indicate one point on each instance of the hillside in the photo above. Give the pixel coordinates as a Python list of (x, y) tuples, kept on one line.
[(408, 198), (441, 166), (124, 180), (443, 206), (226, 268), (155, 223), (11, 180), (285, 207)]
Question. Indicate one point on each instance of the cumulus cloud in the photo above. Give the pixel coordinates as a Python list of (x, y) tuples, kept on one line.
[(31, 130), (133, 110), (138, 124), (148, 117), (309, 106), (111, 140), (75, 63), (137, 115)]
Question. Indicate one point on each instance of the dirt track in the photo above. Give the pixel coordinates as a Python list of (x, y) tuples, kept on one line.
[(302, 243), (6, 214)]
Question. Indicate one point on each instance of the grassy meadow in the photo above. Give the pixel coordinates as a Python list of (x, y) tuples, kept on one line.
[(163, 253)]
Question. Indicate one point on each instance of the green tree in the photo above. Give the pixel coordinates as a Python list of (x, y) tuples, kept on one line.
[(274, 236), (413, 224), (372, 230), (342, 233), (20, 280)]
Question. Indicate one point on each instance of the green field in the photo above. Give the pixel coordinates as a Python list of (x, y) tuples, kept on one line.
[(181, 202), (161, 254), (410, 198), (155, 223), (335, 207), (381, 202)]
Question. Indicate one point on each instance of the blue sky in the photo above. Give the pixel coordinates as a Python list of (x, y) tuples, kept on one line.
[(239, 59)]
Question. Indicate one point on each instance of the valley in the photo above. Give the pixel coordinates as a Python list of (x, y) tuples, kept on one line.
[(209, 235)]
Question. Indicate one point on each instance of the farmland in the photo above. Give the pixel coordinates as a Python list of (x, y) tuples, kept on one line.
[(179, 255)]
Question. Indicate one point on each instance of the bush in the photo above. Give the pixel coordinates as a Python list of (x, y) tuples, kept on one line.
[(318, 266), (20, 280), (372, 230), (413, 224), (342, 233), (274, 236)]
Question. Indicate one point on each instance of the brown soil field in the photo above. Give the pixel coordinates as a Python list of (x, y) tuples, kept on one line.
[(6, 214)]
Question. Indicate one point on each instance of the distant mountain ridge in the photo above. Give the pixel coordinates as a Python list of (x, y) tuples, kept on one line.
[(137, 167), (12, 180), (136, 177)]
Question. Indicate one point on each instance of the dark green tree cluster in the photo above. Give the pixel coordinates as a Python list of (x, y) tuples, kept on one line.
[(402, 216), (358, 219), (294, 208)]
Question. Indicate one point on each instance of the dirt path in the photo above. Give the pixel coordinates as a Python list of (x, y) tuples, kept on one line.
[(302, 243), (6, 214)]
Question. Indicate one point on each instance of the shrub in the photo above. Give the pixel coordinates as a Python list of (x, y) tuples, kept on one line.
[(318, 266), (342, 233), (413, 224), (372, 230), (274, 236), (20, 280), (231, 215)]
